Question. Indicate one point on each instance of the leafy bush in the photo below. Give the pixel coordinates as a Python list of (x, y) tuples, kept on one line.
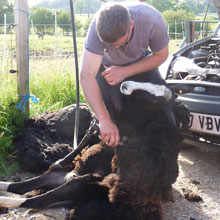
[(177, 16), (10, 121), (170, 16), (85, 25)]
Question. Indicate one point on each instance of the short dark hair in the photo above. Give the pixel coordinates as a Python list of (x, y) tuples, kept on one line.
[(112, 22)]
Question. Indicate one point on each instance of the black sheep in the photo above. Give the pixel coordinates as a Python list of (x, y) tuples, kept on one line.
[(144, 165)]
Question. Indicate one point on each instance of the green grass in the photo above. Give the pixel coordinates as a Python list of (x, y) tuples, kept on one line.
[(10, 122), (47, 46), (173, 46), (53, 83), (51, 44)]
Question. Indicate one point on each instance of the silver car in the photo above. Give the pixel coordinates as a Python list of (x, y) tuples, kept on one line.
[(196, 68)]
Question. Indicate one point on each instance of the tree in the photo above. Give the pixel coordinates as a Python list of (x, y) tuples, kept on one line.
[(199, 6), (64, 21), (192, 5), (182, 5), (171, 16), (87, 6), (42, 16), (80, 6), (196, 6), (6, 8), (162, 5)]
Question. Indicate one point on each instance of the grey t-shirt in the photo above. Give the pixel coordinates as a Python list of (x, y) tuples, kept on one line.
[(149, 32)]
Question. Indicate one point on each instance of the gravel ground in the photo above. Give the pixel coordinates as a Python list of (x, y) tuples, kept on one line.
[(199, 173)]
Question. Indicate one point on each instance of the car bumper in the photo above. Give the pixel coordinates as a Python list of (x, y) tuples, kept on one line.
[(204, 108)]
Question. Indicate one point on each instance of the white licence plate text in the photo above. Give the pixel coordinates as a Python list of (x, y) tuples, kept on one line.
[(205, 123)]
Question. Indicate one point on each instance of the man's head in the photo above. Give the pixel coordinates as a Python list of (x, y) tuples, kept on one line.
[(113, 22)]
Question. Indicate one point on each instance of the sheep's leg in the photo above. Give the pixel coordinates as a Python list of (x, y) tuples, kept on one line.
[(50, 180), (77, 189)]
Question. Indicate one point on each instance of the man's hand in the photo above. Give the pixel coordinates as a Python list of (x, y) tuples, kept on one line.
[(109, 132), (114, 75)]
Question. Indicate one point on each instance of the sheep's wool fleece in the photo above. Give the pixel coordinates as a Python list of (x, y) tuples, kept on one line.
[(146, 166)]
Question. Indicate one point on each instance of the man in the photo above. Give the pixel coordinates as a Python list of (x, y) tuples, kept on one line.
[(116, 49)]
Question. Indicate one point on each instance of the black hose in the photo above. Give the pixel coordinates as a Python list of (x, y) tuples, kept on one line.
[(76, 127)]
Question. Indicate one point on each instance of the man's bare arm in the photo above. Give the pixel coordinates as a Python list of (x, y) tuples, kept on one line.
[(90, 65), (89, 68), (116, 74)]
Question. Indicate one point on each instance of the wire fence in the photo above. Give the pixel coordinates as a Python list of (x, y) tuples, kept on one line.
[(176, 30), (7, 47), (49, 41), (46, 42)]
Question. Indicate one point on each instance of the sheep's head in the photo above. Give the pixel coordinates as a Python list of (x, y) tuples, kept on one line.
[(128, 87)]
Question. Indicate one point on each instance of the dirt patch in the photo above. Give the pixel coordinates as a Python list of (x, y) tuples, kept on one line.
[(50, 136), (199, 173), (28, 214)]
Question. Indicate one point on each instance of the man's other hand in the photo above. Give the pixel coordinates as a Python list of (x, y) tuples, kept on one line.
[(109, 132), (113, 75)]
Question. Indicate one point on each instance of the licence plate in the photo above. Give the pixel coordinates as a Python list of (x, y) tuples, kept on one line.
[(205, 123)]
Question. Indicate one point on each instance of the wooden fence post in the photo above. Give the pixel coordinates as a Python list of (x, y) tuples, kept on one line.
[(21, 20), (189, 31)]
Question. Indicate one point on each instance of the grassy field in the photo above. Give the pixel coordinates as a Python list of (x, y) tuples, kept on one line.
[(58, 77), (173, 46), (52, 81)]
